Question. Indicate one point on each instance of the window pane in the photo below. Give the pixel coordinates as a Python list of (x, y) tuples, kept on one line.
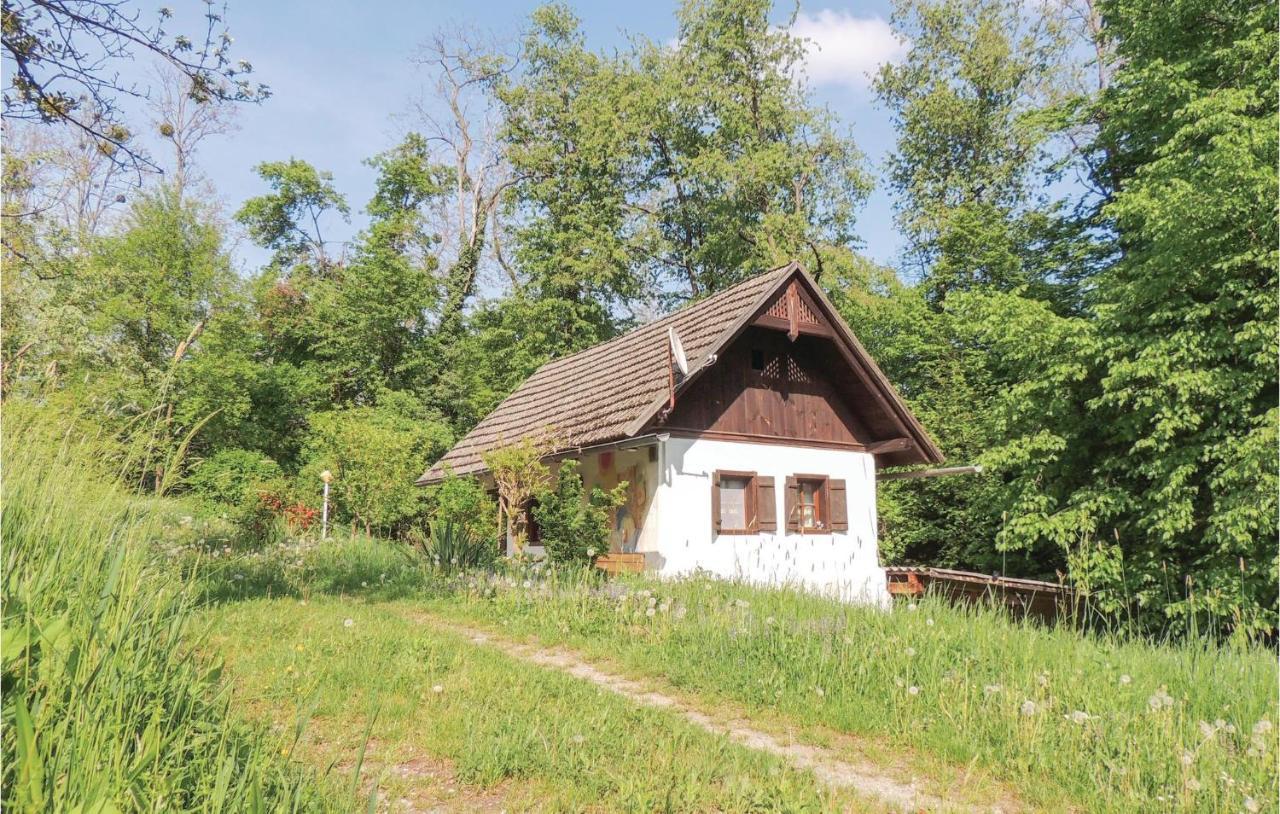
[(810, 504), (733, 503)]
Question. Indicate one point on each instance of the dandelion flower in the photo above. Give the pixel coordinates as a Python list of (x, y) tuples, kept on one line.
[(1193, 785), (650, 612), (348, 622), (1251, 805), (911, 606), (1160, 700), (899, 682), (819, 692), (591, 552), (681, 611), (1078, 717), (1188, 758), (578, 739), (1126, 680), (910, 651), (913, 690), (1262, 727), (1028, 708), (437, 689)]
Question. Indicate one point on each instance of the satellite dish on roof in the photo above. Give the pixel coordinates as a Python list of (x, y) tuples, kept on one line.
[(677, 351)]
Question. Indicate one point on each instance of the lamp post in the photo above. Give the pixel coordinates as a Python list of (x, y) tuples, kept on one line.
[(325, 476)]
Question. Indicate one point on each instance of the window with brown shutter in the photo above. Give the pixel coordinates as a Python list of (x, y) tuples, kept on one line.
[(809, 504), (839, 505), (766, 504), (734, 502)]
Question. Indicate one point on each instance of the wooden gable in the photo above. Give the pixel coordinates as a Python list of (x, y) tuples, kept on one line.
[(790, 377), (767, 387)]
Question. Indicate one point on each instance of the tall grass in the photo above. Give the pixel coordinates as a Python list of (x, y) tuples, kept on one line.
[(1109, 724), (107, 705)]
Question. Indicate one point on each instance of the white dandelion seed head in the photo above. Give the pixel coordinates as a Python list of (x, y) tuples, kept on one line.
[(437, 689), (913, 690), (348, 622), (910, 651), (1028, 708), (928, 622), (1126, 680), (992, 689), (1187, 758)]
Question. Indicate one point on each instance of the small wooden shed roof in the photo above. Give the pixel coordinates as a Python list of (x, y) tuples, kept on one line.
[(615, 390)]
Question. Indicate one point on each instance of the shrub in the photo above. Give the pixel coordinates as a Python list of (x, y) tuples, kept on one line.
[(453, 546), (463, 502), (232, 476), (575, 526), (375, 454)]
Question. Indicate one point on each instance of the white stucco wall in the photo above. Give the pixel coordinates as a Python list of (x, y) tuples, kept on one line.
[(843, 564)]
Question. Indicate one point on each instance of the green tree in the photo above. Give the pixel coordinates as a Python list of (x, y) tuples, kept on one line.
[(288, 218), (1145, 447), (574, 522), (971, 107), (375, 455)]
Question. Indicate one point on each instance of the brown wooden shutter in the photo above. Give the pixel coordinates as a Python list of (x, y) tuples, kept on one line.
[(715, 501), (766, 504), (839, 505), (791, 504)]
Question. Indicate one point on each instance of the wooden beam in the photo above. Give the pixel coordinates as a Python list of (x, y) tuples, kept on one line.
[(780, 324), (892, 445), (930, 473)]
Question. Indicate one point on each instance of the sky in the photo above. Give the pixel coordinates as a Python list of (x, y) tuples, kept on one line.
[(340, 72)]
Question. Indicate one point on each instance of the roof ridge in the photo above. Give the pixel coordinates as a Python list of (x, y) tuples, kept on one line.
[(669, 316)]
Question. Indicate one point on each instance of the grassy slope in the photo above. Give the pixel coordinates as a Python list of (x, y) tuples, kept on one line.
[(1113, 726), (105, 708), (542, 737)]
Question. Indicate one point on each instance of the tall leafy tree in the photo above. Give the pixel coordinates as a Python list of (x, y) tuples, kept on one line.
[(969, 104), (1171, 500)]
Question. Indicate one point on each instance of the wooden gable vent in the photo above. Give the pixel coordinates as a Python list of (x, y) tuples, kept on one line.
[(792, 311)]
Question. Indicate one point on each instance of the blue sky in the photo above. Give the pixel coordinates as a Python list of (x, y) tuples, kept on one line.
[(339, 72)]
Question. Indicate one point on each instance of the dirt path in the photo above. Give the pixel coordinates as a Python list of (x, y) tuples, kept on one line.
[(831, 769)]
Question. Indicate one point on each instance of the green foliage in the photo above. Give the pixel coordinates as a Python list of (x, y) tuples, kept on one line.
[(463, 502), (288, 219), (229, 476), (575, 524), (109, 702), (519, 475), (970, 141), (670, 170), (375, 455), (1153, 422), (452, 547)]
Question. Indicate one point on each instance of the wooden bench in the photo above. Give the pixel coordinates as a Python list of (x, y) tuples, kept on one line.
[(618, 563)]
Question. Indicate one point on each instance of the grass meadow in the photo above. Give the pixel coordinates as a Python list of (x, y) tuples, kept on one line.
[(153, 661)]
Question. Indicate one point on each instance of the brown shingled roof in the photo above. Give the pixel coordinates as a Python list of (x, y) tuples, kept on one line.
[(609, 392)]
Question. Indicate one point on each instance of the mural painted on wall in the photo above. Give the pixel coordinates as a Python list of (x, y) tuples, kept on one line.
[(629, 517)]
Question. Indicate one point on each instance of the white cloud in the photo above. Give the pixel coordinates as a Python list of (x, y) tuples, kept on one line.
[(846, 50)]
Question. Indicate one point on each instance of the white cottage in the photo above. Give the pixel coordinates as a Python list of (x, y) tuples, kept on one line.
[(759, 464)]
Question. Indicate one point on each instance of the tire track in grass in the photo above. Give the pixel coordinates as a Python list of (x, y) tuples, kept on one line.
[(830, 769)]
